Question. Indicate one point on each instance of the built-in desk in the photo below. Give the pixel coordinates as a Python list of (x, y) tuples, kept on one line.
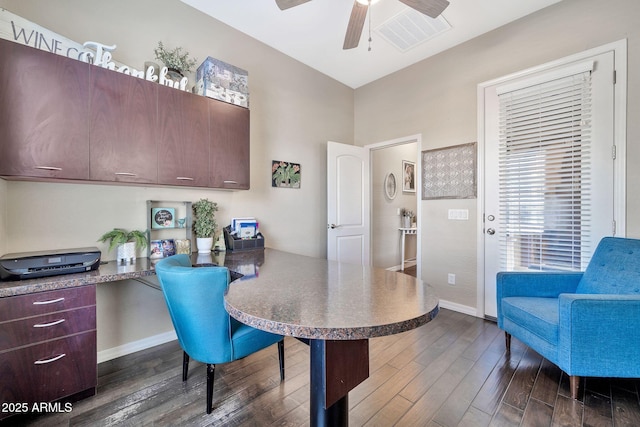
[(337, 308), (244, 262), (48, 341)]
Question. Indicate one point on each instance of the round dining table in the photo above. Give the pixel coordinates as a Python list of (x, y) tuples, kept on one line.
[(335, 308)]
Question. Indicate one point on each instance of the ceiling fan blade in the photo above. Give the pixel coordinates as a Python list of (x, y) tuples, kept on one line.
[(286, 4), (432, 8), (356, 23)]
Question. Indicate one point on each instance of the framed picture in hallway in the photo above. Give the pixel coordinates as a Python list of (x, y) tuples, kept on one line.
[(408, 176)]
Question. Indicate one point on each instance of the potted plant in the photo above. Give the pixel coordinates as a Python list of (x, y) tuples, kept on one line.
[(176, 60), (204, 224), (128, 242)]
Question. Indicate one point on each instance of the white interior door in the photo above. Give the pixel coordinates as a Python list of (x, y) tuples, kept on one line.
[(536, 193), (348, 204)]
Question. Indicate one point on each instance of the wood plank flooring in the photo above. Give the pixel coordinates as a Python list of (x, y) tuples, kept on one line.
[(453, 371)]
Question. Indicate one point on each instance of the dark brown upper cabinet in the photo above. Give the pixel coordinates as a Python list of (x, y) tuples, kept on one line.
[(229, 128), (183, 142), (65, 119), (123, 128), (44, 111)]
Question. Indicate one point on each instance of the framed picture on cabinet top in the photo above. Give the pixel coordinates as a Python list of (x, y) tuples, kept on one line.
[(163, 218)]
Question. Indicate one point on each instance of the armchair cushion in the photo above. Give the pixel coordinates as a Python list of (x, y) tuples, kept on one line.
[(615, 270)]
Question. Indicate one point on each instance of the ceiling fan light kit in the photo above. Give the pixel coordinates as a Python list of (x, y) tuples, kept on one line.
[(431, 8)]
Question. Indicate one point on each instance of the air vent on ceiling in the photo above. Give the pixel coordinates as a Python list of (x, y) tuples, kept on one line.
[(409, 28)]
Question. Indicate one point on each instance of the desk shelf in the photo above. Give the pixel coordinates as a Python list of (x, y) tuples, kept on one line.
[(182, 210)]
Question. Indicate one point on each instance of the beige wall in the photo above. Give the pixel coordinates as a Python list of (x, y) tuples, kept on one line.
[(294, 111), (385, 237), (437, 98)]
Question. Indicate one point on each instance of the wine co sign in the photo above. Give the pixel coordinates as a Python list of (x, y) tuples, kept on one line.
[(20, 30)]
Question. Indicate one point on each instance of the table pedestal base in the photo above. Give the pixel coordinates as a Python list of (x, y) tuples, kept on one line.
[(336, 368)]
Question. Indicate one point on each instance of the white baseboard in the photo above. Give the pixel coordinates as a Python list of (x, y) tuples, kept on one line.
[(465, 309), (407, 264), (132, 347)]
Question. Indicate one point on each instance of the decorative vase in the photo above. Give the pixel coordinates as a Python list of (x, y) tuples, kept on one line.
[(174, 74), (204, 244), (406, 222), (126, 253)]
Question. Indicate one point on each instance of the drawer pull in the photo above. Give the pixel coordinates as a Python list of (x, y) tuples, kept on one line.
[(230, 182), (125, 174), (48, 168), (184, 178), (51, 301), (53, 359), (46, 325)]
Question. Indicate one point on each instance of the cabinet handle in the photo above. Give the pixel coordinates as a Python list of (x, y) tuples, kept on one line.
[(230, 182), (51, 301), (125, 174), (46, 325), (184, 178), (49, 168), (53, 359)]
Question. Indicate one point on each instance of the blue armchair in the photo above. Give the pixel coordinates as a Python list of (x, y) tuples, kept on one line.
[(588, 324), (206, 332)]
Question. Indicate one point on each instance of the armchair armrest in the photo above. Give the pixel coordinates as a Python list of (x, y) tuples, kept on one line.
[(598, 335), (536, 284)]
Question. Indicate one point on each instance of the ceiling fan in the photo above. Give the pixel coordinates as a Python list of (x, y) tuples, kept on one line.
[(431, 8)]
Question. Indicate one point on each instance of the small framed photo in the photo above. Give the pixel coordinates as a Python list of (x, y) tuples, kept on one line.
[(408, 176), (163, 218), (168, 248), (162, 248), (156, 249)]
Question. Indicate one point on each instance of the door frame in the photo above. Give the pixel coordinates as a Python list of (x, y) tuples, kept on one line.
[(619, 138), (417, 138)]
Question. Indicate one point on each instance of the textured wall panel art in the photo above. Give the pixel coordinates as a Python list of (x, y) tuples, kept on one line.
[(450, 172)]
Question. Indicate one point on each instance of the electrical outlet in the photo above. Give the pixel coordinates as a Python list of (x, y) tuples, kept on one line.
[(451, 279)]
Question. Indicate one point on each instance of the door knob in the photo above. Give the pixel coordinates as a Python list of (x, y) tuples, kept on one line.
[(332, 226), (491, 231)]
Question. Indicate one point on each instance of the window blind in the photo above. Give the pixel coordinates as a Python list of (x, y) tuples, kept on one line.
[(545, 173)]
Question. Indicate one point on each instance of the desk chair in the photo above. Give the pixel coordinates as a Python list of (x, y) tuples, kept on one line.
[(206, 332)]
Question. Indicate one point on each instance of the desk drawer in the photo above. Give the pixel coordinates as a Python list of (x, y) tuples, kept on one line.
[(46, 327), (49, 371), (18, 307)]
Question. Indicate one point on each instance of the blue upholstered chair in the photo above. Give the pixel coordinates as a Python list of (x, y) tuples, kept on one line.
[(588, 324), (206, 332)]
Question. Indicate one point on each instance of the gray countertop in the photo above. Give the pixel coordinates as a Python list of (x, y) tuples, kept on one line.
[(111, 271), (289, 294), (314, 298)]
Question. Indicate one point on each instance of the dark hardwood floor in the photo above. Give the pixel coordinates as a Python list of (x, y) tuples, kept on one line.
[(453, 371)]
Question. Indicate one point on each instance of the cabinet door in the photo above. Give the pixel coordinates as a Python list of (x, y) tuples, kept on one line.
[(123, 128), (183, 142), (229, 129), (50, 370), (44, 100)]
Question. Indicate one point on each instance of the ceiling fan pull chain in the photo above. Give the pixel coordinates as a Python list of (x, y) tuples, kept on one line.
[(369, 10)]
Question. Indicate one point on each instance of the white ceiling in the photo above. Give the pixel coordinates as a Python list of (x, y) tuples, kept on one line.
[(313, 32)]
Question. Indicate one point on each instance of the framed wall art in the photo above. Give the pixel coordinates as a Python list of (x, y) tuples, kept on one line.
[(285, 174), (408, 176), (450, 172)]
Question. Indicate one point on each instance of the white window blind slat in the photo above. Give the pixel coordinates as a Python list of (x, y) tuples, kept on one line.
[(545, 167)]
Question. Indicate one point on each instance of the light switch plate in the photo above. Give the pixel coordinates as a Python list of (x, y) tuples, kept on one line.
[(459, 214)]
